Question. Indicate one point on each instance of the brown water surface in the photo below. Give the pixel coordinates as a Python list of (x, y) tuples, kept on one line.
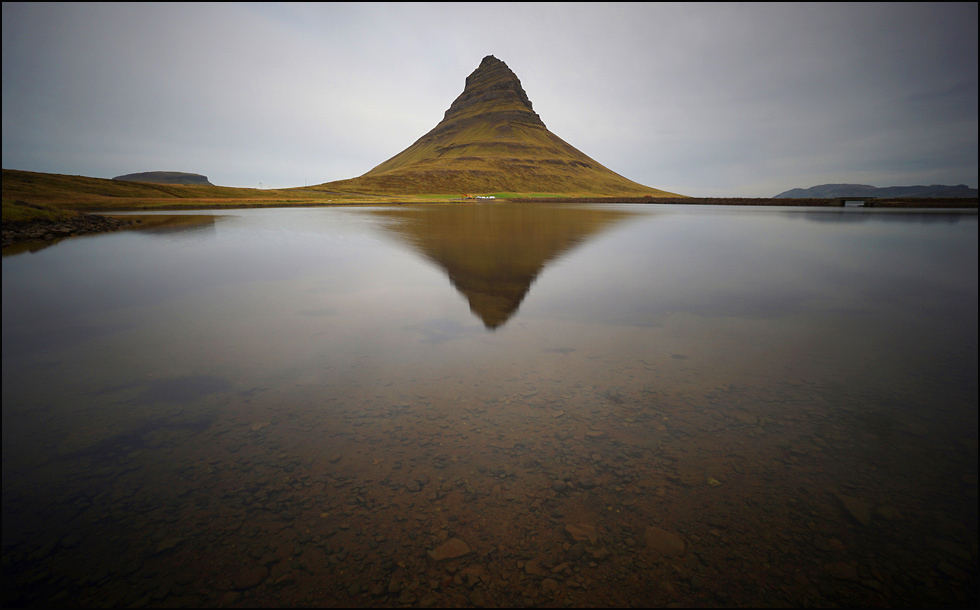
[(495, 405)]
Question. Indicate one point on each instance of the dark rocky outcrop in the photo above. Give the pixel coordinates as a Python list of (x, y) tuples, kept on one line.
[(166, 178), (50, 231), (493, 81)]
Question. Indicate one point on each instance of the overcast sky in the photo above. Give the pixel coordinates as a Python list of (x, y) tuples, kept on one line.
[(699, 99)]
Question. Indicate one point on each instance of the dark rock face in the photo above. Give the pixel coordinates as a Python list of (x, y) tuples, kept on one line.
[(493, 95), (492, 81), (166, 178)]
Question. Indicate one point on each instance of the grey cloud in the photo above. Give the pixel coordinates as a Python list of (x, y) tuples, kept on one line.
[(700, 99)]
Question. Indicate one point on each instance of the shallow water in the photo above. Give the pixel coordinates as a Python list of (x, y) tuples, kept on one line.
[(607, 405)]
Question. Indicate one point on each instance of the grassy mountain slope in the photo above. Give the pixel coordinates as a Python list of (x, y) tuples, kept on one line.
[(55, 187), (489, 141), (34, 196)]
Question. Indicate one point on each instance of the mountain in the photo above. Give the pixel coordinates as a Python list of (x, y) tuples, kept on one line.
[(828, 191), (491, 141), (166, 178)]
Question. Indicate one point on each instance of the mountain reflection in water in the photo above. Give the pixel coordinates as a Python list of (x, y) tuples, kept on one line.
[(156, 224), (697, 406), (494, 252)]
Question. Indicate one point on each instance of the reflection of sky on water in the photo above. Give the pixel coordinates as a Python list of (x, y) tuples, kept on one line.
[(365, 279), (882, 215), (687, 340), (710, 262), (756, 264)]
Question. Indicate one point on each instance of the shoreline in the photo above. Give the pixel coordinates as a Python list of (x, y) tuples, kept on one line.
[(42, 231), (906, 202), (909, 202), (102, 221)]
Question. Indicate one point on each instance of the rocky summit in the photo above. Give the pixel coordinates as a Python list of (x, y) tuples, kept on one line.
[(491, 140)]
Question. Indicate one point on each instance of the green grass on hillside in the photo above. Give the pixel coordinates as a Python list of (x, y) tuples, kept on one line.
[(33, 195), (56, 191), (493, 146), (38, 186), (17, 211), (526, 195)]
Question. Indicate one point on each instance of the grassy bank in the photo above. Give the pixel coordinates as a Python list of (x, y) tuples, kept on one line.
[(37, 197), (16, 212)]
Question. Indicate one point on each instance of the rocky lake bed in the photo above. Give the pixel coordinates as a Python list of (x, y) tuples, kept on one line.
[(455, 406), (536, 498)]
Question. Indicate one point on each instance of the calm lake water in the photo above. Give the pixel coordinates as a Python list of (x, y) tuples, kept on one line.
[(495, 404)]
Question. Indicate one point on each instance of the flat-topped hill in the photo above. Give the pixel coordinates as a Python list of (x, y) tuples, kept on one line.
[(490, 141), (166, 178)]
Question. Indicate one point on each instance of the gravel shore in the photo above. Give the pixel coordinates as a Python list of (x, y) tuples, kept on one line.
[(18, 233)]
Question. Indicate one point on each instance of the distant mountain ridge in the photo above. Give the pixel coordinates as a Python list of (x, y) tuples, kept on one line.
[(827, 191), (166, 178)]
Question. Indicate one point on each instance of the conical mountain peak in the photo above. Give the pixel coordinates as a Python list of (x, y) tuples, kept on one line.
[(494, 85), (491, 141)]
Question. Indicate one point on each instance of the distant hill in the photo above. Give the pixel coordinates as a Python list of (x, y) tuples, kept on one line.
[(84, 193), (825, 191), (166, 178), (491, 141)]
